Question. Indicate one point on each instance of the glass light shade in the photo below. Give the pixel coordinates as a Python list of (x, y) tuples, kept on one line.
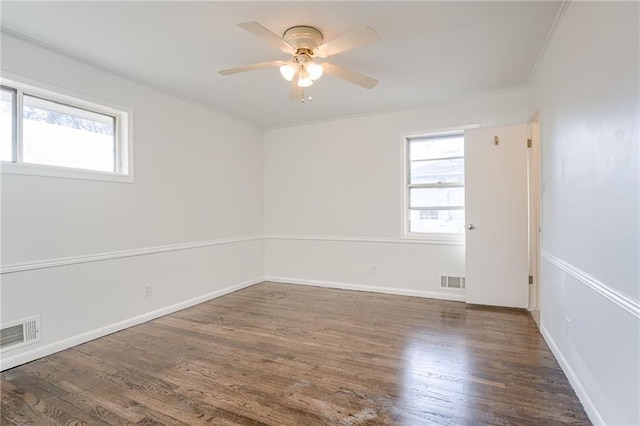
[(315, 70), (288, 71), (303, 78)]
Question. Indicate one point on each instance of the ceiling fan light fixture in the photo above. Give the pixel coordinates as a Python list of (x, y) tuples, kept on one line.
[(288, 71), (314, 70), (303, 78), (304, 44)]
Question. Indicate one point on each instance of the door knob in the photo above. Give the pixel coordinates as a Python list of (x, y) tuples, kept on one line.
[(471, 227)]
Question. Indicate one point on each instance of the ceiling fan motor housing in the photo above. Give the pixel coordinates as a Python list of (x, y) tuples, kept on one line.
[(303, 37)]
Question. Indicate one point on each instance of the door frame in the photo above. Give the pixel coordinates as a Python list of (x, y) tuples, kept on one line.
[(534, 165)]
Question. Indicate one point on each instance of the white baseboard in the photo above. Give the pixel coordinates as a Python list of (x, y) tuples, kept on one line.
[(370, 288), (535, 314), (7, 362), (588, 405)]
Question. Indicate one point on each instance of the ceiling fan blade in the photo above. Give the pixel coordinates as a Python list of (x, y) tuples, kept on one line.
[(271, 38), (348, 41), (352, 76), (297, 93), (252, 67)]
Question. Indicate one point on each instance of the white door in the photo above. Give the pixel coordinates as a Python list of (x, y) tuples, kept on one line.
[(496, 212)]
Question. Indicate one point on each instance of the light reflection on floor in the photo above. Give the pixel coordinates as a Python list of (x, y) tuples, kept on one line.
[(429, 380)]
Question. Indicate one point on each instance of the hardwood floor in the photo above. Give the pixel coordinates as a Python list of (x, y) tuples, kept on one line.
[(280, 354)]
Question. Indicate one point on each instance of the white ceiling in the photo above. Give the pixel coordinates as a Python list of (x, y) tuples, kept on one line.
[(428, 52)]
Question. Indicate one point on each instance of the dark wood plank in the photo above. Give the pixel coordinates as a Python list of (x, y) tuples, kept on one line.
[(279, 354)]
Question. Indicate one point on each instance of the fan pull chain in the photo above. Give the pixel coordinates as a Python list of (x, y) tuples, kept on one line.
[(310, 98)]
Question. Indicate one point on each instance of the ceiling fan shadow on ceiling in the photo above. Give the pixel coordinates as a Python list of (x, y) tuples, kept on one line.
[(304, 43)]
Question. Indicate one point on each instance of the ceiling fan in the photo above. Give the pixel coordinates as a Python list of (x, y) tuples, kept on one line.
[(304, 43)]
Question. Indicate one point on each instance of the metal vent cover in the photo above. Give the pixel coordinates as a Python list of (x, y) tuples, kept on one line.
[(19, 333), (452, 281)]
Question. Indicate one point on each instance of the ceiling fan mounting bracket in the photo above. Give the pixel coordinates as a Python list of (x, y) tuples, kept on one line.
[(303, 37)]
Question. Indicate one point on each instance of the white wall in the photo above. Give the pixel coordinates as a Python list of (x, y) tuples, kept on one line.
[(587, 92), (333, 208), (334, 191), (198, 186)]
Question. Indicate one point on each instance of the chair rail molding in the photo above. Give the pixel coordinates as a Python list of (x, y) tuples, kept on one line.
[(72, 260), (359, 239), (622, 300)]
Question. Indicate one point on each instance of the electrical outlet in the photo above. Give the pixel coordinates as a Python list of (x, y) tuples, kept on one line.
[(374, 269), (147, 290)]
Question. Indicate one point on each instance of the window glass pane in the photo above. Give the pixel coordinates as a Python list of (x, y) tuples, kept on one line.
[(61, 135), (7, 111), (437, 171), (436, 197), (436, 147), (436, 221)]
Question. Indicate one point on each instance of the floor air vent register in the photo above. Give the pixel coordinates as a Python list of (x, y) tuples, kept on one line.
[(452, 281), (20, 333)]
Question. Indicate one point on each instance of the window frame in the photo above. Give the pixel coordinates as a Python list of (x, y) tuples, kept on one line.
[(434, 237), (123, 132)]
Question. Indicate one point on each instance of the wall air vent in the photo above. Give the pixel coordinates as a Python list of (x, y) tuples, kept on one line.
[(452, 281), (19, 333)]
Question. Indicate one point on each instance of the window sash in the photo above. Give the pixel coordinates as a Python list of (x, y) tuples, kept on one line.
[(56, 151), (411, 141), (14, 125), (435, 198), (437, 159), (436, 185), (41, 102), (438, 208)]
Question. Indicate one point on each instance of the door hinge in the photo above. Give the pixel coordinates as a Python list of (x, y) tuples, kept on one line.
[(530, 279), (528, 143)]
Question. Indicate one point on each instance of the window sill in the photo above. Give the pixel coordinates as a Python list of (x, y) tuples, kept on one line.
[(63, 172), (452, 239)]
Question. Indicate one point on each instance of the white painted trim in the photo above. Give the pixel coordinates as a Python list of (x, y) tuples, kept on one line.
[(21, 358), (46, 170), (441, 131), (456, 297), (123, 116), (404, 220), (589, 407), (552, 32), (423, 240), (53, 263), (620, 299)]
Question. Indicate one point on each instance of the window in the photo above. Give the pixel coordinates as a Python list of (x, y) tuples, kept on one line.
[(7, 126), (435, 184), (428, 214), (51, 134)]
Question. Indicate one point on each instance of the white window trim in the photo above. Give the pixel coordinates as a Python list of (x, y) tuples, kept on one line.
[(440, 238), (123, 135)]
